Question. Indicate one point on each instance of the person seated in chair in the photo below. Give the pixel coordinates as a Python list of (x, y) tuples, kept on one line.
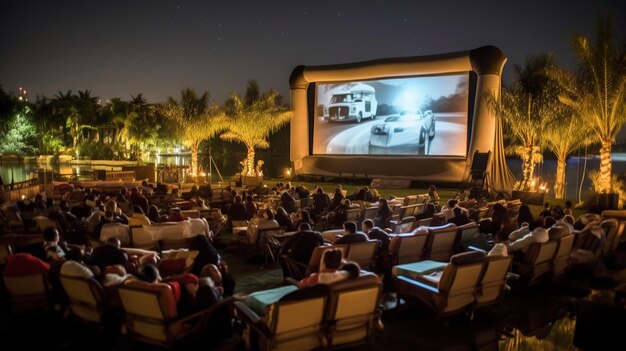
[(108, 254), (433, 195), (337, 199), (350, 235), (460, 217), (428, 212), (251, 207), (74, 265), (321, 203), (337, 217), (112, 214), (283, 219), (383, 217), (150, 273), (332, 270), (264, 219), (521, 239), (237, 211), (300, 246), (138, 218), (54, 249), (176, 215)]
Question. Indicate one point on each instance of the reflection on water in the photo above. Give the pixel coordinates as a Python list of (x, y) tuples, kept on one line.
[(274, 167)]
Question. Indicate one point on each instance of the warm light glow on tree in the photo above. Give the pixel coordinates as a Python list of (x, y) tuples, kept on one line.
[(251, 120), (598, 92), (195, 120), (526, 108)]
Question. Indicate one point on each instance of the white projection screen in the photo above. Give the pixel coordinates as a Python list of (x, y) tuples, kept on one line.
[(418, 116)]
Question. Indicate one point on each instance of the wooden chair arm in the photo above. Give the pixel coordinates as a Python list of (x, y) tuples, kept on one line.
[(246, 315), (209, 310)]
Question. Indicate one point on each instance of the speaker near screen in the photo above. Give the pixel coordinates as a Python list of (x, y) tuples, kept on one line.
[(414, 118), (479, 164), (425, 116)]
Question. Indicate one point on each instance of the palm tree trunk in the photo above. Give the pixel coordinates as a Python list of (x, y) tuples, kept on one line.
[(250, 162), (559, 185), (605, 167), (528, 168), (194, 159)]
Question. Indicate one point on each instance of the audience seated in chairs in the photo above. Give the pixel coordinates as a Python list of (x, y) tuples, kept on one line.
[(265, 219), (112, 214), (337, 199), (383, 217), (433, 195), (26, 281), (184, 288), (339, 215), (251, 207), (321, 203), (207, 254), (74, 265), (428, 212), (288, 202), (332, 270), (154, 215), (176, 215), (108, 254), (497, 226), (283, 219), (351, 235), (53, 249), (302, 217), (382, 262), (237, 211), (525, 216), (300, 246), (521, 239), (459, 217), (139, 218)]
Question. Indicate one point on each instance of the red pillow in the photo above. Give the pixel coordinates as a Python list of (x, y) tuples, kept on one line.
[(172, 267)]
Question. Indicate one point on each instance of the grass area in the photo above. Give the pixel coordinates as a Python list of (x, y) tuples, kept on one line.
[(444, 193)]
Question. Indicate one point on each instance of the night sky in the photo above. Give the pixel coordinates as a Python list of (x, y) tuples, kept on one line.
[(119, 48)]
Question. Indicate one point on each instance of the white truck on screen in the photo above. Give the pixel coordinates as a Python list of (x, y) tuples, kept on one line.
[(352, 103)]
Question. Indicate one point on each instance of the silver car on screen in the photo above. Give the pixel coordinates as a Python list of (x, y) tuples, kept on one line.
[(408, 132)]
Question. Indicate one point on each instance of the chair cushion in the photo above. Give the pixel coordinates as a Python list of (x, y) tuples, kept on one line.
[(172, 267), (258, 301), (417, 269)]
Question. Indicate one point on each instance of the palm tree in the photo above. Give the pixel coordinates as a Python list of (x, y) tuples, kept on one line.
[(145, 128), (563, 136), (195, 120), (597, 91), (76, 110), (250, 122), (526, 108), (124, 118)]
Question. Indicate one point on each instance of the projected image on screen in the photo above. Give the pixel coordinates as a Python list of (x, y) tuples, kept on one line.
[(399, 116)]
